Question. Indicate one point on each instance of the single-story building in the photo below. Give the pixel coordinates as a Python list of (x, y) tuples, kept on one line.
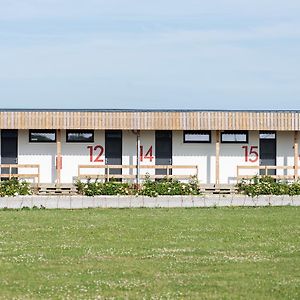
[(59, 146)]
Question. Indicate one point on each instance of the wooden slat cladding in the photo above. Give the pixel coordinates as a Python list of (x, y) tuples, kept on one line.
[(151, 120)]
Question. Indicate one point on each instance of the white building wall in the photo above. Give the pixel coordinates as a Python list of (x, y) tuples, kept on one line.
[(74, 154), (200, 154), (285, 151), (37, 153), (203, 155), (233, 155), (147, 141), (128, 150)]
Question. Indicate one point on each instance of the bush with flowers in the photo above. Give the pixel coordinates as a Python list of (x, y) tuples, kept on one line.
[(14, 187), (267, 185), (167, 186), (147, 188), (94, 188)]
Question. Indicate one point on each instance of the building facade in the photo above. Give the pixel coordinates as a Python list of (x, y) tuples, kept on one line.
[(217, 147)]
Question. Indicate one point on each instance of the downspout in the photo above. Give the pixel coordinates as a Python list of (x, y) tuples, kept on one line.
[(296, 155), (217, 157), (138, 153), (58, 156)]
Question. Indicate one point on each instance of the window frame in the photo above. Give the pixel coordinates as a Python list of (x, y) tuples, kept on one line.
[(266, 133), (246, 132), (80, 131), (42, 131), (197, 132)]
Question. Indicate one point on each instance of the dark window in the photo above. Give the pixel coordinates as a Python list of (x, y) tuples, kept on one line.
[(80, 136), (113, 151), (42, 136), (267, 151), (196, 136), (234, 137), (9, 151), (114, 134), (163, 150), (267, 135)]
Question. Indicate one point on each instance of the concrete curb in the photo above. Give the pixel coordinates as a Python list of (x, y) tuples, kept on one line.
[(79, 202)]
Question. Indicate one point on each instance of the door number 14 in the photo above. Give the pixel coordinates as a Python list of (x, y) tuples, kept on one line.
[(147, 155)]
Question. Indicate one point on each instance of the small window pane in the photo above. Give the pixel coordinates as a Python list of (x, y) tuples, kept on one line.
[(234, 137), (80, 136), (113, 134), (267, 135), (42, 136), (197, 137)]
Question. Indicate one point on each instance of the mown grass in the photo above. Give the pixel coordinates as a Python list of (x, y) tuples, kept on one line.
[(223, 253)]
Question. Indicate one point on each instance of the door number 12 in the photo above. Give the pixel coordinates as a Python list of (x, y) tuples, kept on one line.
[(100, 153)]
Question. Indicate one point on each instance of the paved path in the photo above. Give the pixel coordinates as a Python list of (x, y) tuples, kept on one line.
[(77, 202)]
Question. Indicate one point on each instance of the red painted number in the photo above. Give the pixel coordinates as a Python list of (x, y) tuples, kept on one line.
[(91, 152), (58, 163), (94, 149), (148, 155), (252, 155)]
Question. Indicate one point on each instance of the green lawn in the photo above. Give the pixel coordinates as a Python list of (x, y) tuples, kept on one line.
[(222, 253)]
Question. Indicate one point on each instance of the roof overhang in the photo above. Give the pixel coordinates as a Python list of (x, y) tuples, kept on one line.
[(149, 119)]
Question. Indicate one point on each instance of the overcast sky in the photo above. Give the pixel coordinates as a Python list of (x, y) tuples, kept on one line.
[(192, 54)]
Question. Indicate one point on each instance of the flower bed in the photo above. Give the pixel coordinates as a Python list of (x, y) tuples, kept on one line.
[(266, 185), (148, 188), (14, 187)]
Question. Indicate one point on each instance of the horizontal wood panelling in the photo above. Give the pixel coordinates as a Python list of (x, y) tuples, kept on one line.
[(150, 120)]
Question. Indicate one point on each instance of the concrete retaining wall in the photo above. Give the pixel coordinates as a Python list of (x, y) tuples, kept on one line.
[(77, 202)]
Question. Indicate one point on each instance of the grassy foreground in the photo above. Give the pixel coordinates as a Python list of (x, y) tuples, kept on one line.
[(223, 253)]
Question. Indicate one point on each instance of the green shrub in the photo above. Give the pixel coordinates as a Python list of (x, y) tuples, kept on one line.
[(14, 187), (169, 187), (294, 188), (148, 188), (104, 188), (267, 185)]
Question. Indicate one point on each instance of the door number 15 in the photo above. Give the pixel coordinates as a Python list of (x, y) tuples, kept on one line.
[(251, 153)]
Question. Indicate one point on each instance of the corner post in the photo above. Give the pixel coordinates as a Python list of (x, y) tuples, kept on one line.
[(217, 156), (58, 156), (138, 154), (296, 155)]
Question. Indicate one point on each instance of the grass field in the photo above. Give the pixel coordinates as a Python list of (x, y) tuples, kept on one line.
[(223, 253)]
